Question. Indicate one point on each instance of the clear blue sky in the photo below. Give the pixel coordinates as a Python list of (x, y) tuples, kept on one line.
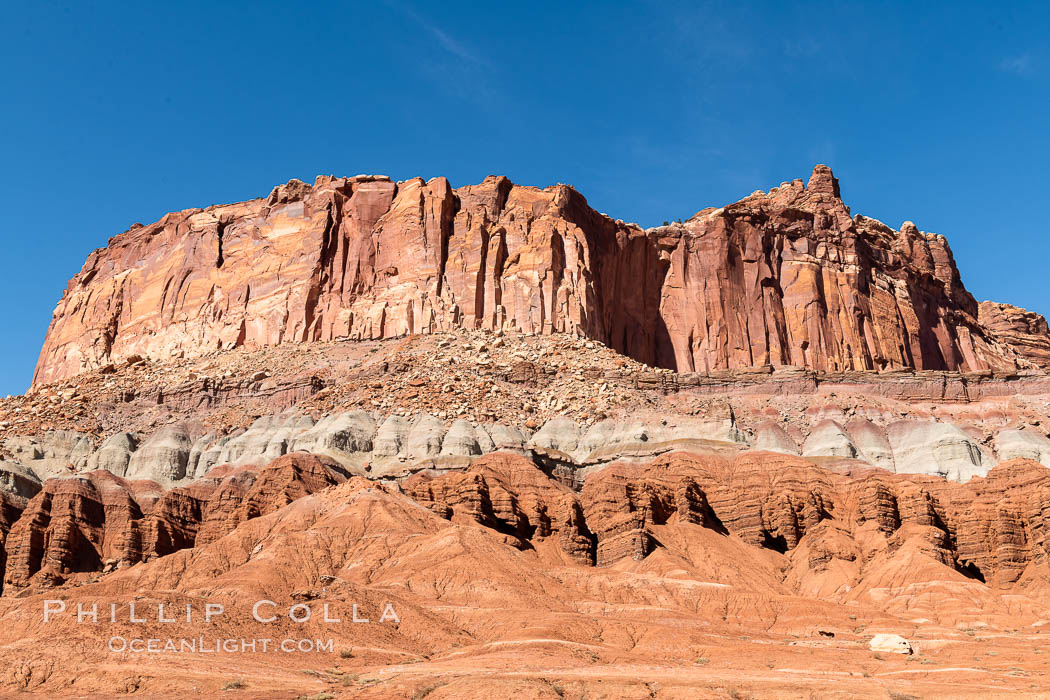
[(114, 113)]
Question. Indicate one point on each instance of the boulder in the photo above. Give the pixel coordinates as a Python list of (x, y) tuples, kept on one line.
[(890, 644)]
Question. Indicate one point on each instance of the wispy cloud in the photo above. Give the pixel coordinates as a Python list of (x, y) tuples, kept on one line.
[(705, 39), (802, 46), (1018, 65), (444, 39), (451, 63)]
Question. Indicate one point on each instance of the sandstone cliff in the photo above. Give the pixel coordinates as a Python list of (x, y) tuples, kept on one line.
[(785, 278), (1021, 329)]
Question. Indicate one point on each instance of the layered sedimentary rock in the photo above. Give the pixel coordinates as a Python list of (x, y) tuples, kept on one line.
[(622, 511), (11, 508), (508, 493), (874, 557), (98, 521), (394, 446), (1023, 330), (990, 529), (836, 526), (787, 277), (74, 525)]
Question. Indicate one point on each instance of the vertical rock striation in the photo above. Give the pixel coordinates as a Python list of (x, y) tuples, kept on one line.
[(98, 521), (785, 278)]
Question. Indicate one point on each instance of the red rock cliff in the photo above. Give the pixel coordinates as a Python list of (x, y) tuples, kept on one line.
[(784, 278)]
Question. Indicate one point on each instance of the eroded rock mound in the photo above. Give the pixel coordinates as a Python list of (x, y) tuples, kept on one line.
[(665, 559), (510, 494), (850, 522), (98, 521)]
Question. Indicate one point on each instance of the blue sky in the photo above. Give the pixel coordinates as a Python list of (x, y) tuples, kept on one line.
[(114, 113)]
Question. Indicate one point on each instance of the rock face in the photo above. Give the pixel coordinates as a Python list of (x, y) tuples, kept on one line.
[(839, 528), (394, 446), (11, 507), (98, 521), (531, 498), (693, 553), (1023, 330), (508, 493), (784, 278)]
